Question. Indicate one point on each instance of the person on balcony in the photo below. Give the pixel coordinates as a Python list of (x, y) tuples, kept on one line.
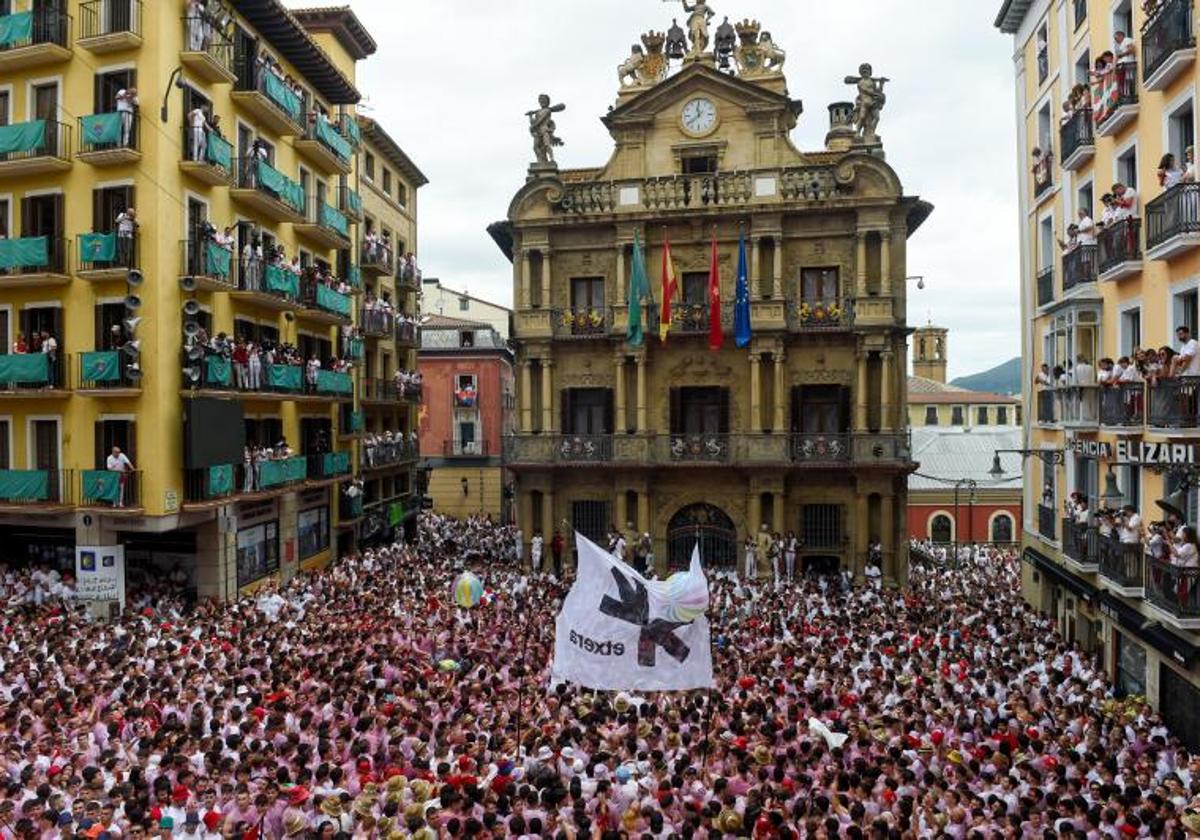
[(1129, 526), (1187, 362), (127, 103), (241, 364), (196, 15), (311, 369), (49, 346), (750, 559), (198, 131), (252, 264), (119, 462), (1105, 372), (1072, 240), (1185, 552), (1043, 378), (1124, 50), (127, 225), (258, 153), (1085, 226), (1169, 174)]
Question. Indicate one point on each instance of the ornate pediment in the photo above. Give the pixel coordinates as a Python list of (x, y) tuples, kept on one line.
[(700, 78), (701, 369)]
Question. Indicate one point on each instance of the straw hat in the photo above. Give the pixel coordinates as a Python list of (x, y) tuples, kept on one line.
[(294, 824), (729, 821), (370, 790), (331, 806), (420, 790), (762, 754), (621, 703), (396, 783)]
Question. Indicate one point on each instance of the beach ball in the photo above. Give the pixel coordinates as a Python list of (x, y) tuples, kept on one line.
[(468, 590), (687, 597)]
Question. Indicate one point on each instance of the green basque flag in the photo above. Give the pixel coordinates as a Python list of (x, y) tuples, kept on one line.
[(639, 287)]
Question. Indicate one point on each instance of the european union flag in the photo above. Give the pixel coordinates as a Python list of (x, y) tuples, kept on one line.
[(741, 302)]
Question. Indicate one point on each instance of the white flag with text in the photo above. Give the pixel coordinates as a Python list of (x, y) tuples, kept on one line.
[(617, 630)]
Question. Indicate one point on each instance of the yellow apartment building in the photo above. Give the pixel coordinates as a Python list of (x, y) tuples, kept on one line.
[(1129, 287), (232, 137), (804, 428)]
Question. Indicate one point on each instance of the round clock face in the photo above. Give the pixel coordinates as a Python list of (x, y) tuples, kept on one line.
[(699, 116)]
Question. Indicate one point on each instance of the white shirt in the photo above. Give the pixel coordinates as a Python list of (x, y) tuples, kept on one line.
[(197, 118), (1125, 51), (1130, 195), (125, 102), (1084, 374), (119, 463), (1189, 351), (1087, 231)]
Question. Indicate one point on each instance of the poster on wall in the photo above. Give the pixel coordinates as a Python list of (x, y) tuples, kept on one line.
[(100, 573)]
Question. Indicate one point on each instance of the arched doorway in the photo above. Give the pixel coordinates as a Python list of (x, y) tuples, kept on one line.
[(941, 529), (712, 527), (1002, 529)]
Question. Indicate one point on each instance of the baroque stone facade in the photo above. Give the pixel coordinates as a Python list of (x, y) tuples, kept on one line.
[(805, 429)]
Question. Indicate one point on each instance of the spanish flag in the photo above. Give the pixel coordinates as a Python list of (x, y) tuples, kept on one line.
[(669, 288)]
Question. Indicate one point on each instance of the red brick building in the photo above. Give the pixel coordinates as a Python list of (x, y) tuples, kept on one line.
[(467, 407)]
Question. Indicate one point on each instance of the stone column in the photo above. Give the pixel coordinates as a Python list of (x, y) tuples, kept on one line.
[(619, 422), (642, 425), (526, 280), (755, 424), (860, 393), (622, 292), (778, 523), (780, 422), (777, 270), (526, 396), (643, 511), (547, 396), (548, 522), (860, 267), (755, 275), (754, 509), (887, 537), (887, 363), (885, 263), (546, 279), (622, 507), (525, 516)]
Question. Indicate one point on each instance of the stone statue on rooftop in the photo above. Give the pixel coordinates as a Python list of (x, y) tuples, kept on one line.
[(869, 102), (699, 14), (541, 127)]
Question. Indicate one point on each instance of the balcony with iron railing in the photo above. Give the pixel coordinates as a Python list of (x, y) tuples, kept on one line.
[(408, 274), (1077, 138), (34, 261), (207, 157), (351, 422), (264, 189), (350, 203), (1173, 222), (35, 147), (268, 97), (1174, 591), (273, 285), (111, 490), (1079, 268), (325, 466), (207, 51), (34, 38), (1123, 405), (36, 490), (207, 266), (1122, 565), (1079, 545), (323, 145), (376, 323), (109, 139), (350, 508), (108, 373), (1173, 403), (325, 226), (325, 304), (1045, 286), (1120, 248), (376, 390), (1168, 43), (1119, 103), (1046, 403), (819, 315), (106, 256), (1079, 406), (379, 455), (1043, 174), (347, 124), (407, 334), (1046, 521), (376, 258), (110, 25), (581, 322)]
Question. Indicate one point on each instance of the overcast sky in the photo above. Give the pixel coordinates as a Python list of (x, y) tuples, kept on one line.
[(453, 78)]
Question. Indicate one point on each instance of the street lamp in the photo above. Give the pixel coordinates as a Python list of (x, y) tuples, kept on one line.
[(1050, 457), (972, 485)]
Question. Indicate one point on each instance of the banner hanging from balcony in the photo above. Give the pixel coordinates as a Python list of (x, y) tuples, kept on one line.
[(619, 631), (101, 129), (97, 247), (639, 290), (217, 260), (25, 369), (334, 220), (742, 332), (350, 128), (328, 135), (282, 95), (669, 287), (24, 485), (218, 371), (284, 377), (22, 137), (716, 338), (274, 473), (220, 481), (332, 301), (102, 486), (219, 152), (289, 191), (354, 202), (279, 279), (336, 463), (334, 382), (16, 29), (27, 252), (101, 366)]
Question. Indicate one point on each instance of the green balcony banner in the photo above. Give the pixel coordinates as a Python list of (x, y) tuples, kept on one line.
[(333, 301), (357, 421), (354, 507), (289, 191), (217, 260), (350, 128), (395, 513), (335, 220), (16, 29), (284, 377), (275, 473), (354, 277), (357, 348), (336, 463), (97, 247), (100, 129), (220, 481), (22, 137), (24, 485), (332, 382), (282, 95), (102, 486), (219, 152), (31, 368), (218, 371), (279, 279), (101, 366), (354, 200), (28, 252), (328, 135)]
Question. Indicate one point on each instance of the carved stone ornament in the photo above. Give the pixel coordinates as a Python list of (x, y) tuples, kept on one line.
[(822, 377), (700, 368)]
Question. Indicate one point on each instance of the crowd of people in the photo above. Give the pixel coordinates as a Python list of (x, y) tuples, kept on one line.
[(361, 702), (255, 455), (388, 447), (407, 382), (377, 247), (1169, 540), (249, 360), (39, 341)]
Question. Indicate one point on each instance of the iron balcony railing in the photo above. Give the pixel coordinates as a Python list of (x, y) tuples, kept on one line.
[(107, 252), (376, 257), (388, 453), (1123, 404), (274, 89), (1079, 541), (1125, 82), (1174, 213), (820, 448), (1120, 242), (1173, 589), (1079, 404), (465, 448), (109, 488), (376, 323), (37, 487), (350, 508), (1077, 132), (581, 322), (1079, 266), (201, 145), (815, 314), (37, 255), (328, 218), (350, 203), (318, 296), (254, 173), (1121, 562), (46, 26), (202, 34), (1168, 31), (388, 390), (1045, 406), (406, 334), (1046, 522), (98, 18), (204, 258), (107, 370), (1045, 286), (1173, 403), (46, 139), (108, 132)]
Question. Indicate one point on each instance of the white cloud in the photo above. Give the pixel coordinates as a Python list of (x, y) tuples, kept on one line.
[(453, 78)]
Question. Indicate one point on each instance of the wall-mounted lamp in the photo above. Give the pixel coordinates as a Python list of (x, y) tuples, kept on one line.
[(466, 486), (176, 80)]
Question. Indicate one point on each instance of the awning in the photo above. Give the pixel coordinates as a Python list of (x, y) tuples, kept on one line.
[(1149, 630), (1051, 569)]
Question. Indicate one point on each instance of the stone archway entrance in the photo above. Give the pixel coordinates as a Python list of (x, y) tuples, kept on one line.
[(712, 527)]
